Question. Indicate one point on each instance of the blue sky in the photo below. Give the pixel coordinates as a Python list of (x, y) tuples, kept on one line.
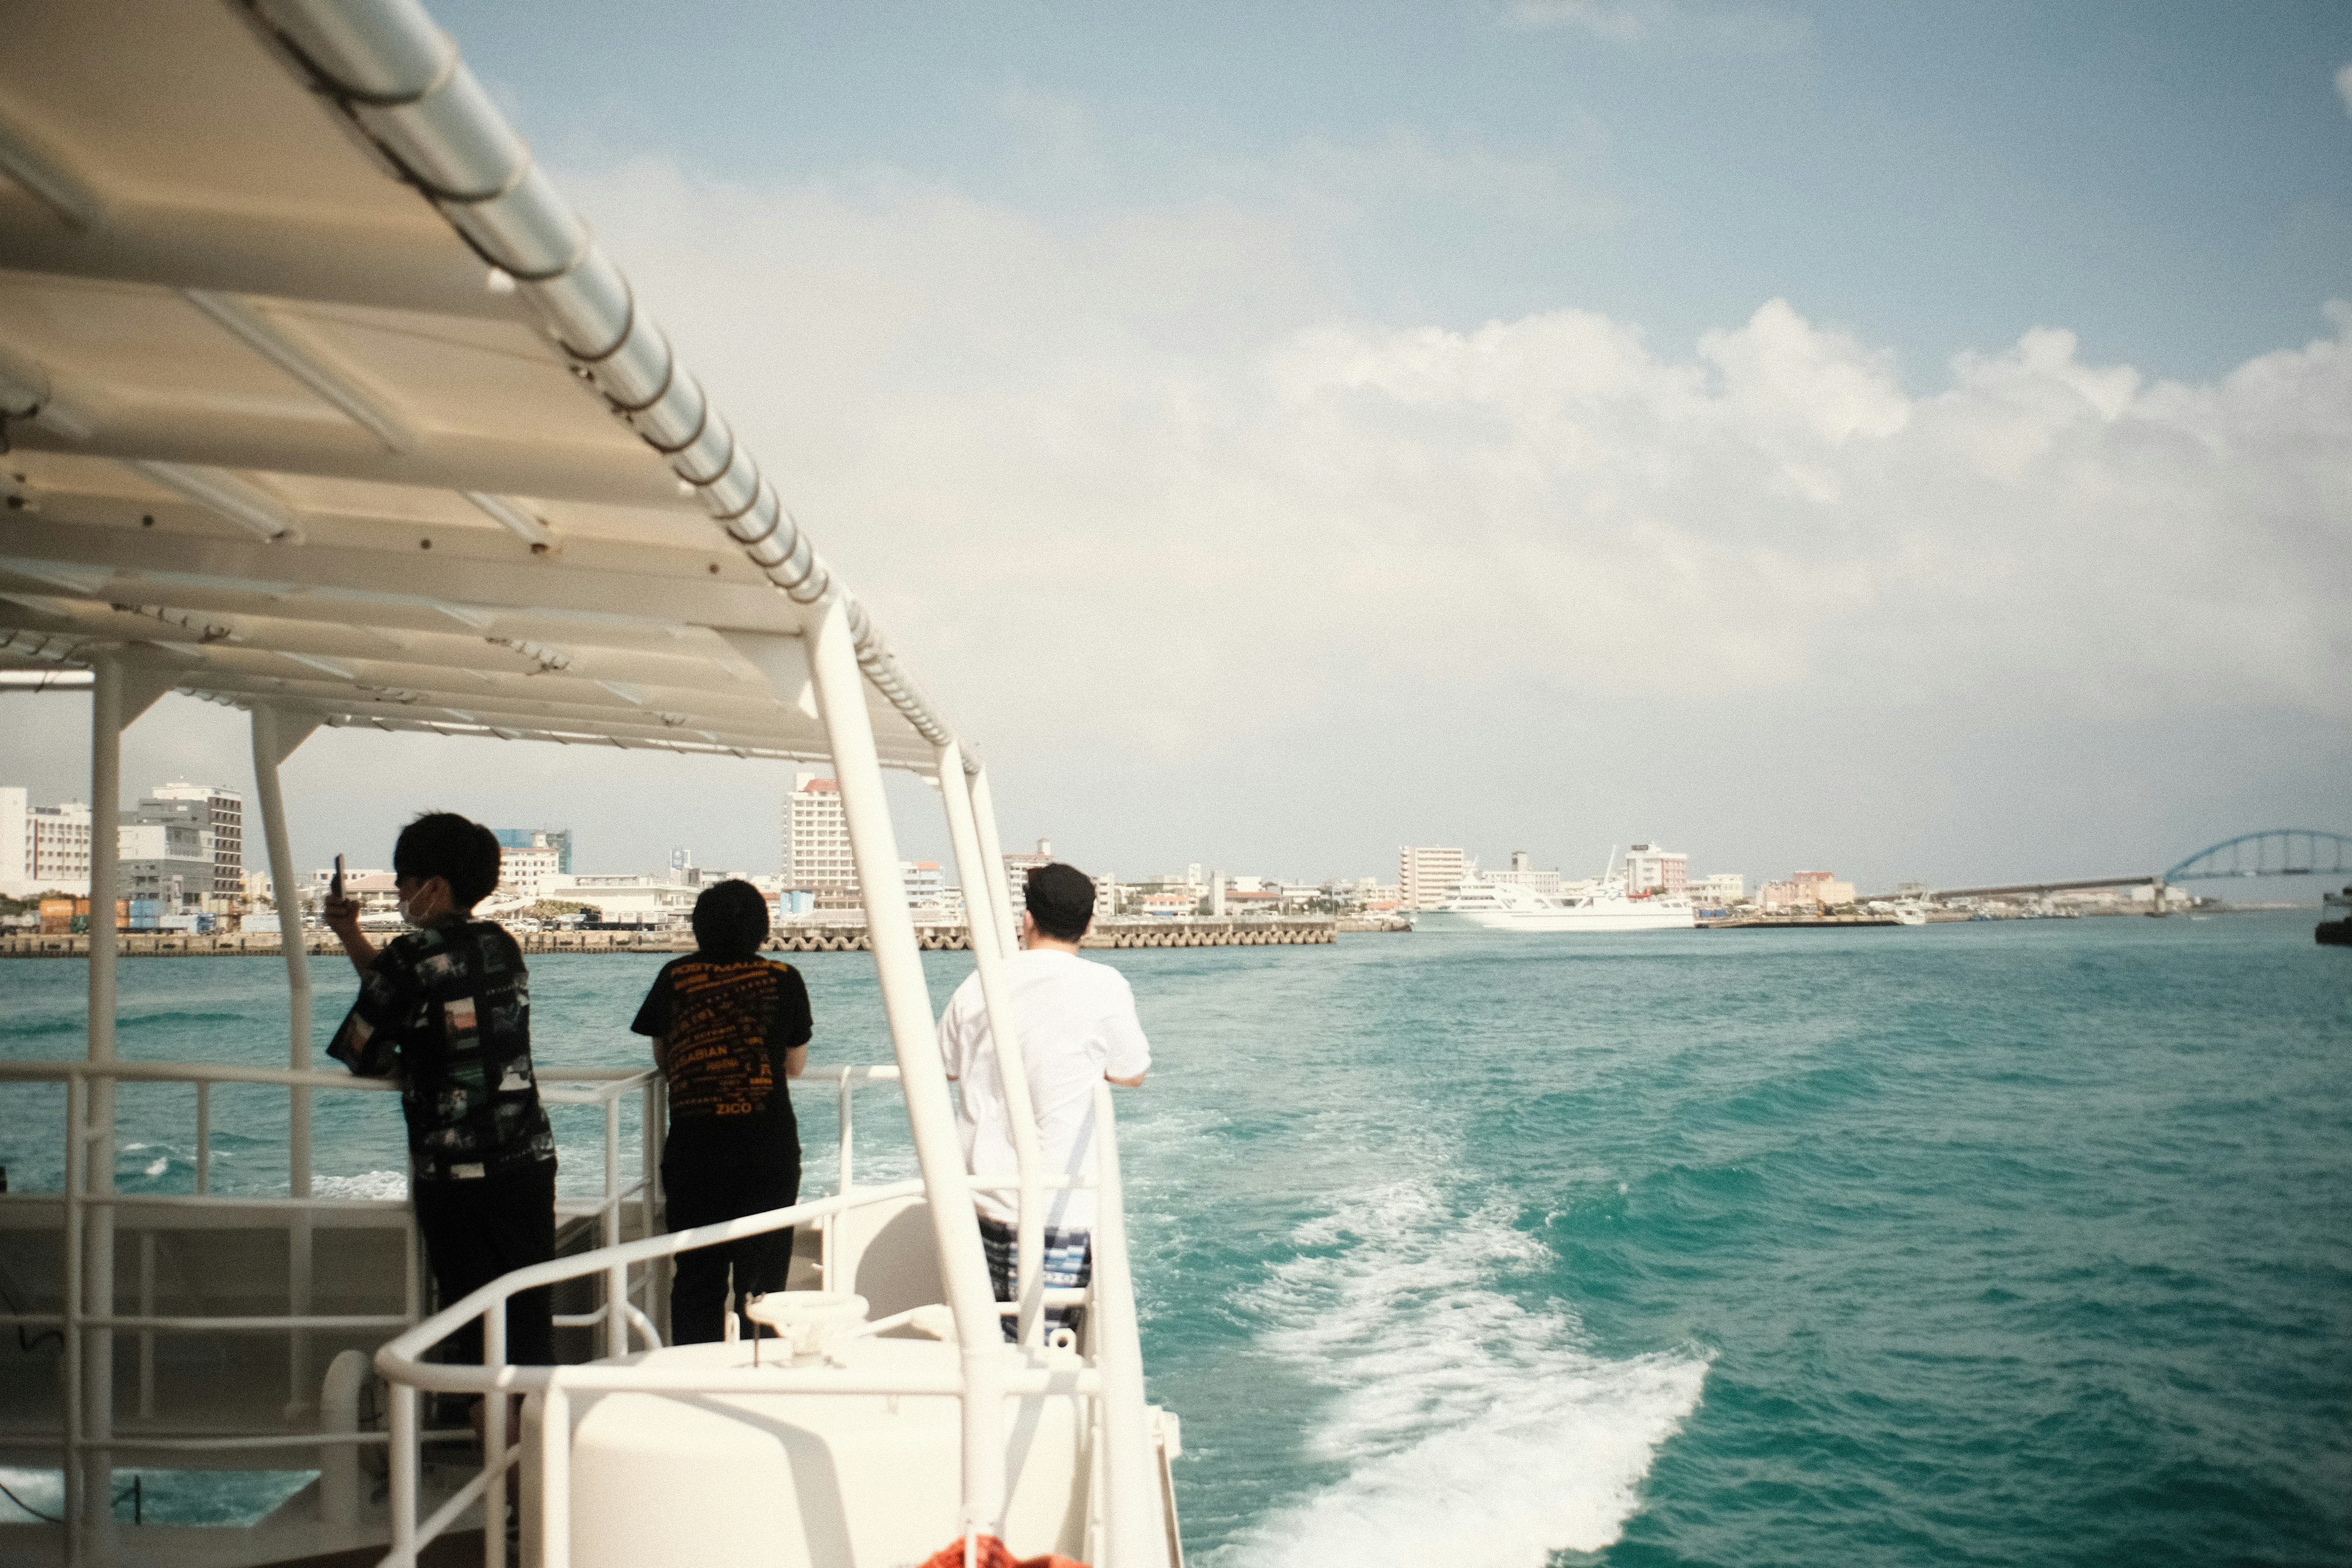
[(1914, 441), (2167, 180)]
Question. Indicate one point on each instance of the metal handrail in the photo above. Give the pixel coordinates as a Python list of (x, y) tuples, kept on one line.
[(83, 1433), (1115, 1382), (1121, 1415)]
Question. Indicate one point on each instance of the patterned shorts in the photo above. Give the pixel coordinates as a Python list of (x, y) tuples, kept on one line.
[(1069, 1263)]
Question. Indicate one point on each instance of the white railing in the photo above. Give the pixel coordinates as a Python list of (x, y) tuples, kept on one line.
[(93, 1214), (1112, 1375)]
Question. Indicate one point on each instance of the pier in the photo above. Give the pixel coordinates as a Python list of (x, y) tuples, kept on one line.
[(847, 936)]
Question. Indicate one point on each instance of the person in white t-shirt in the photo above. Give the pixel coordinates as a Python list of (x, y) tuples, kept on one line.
[(1078, 1025)]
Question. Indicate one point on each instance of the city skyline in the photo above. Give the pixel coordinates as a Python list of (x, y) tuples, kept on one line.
[(1903, 439), (539, 863)]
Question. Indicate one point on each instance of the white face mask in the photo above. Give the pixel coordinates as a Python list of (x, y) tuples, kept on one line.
[(408, 901)]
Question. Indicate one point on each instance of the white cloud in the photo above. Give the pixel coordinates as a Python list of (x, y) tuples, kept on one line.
[(1216, 565), (1749, 29), (2344, 87), (1145, 466)]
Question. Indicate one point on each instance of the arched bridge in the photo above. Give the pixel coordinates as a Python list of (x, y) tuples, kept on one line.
[(2273, 852)]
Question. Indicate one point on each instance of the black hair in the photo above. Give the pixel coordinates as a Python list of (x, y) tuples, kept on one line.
[(461, 852), (1062, 897), (731, 920)]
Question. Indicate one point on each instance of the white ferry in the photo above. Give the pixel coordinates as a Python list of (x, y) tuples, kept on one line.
[(318, 401), (1477, 904)]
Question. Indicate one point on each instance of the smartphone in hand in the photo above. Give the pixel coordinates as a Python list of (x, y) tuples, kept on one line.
[(335, 888)]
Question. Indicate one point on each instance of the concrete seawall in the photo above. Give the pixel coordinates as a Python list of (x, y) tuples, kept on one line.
[(841, 938)]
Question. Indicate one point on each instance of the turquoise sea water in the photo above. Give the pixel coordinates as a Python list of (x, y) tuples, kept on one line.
[(1969, 1244)]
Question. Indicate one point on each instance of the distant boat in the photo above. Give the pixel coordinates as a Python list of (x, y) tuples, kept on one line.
[(2335, 919), (1478, 904)]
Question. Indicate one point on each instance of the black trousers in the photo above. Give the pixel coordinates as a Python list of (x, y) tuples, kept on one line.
[(475, 1231), (704, 1181)]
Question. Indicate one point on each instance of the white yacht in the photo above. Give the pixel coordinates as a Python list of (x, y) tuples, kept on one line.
[(320, 402), (1478, 904)]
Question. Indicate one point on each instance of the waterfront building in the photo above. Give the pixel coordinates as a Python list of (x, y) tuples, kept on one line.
[(57, 846), (620, 898), (1805, 890), (1721, 890), (556, 838), (1827, 890), (1191, 883), (528, 871), (1303, 896), (1428, 875), (166, 859), (1016, 874), (816, 840), (220, 813), (15, 841), (1523, 873), (1652, 868), (924, 881), (1105, 897)]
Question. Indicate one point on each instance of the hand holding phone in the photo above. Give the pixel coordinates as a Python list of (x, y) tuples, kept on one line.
[(339, 910)]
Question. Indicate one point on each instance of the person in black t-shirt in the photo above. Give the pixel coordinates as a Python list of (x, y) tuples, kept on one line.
[(446, 1007), (729, 1028)]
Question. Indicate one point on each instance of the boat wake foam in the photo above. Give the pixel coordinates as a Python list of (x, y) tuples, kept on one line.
[(366, 1184), (1480, 1432)]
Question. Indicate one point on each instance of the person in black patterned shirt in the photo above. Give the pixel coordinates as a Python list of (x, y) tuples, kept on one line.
[(446, 1008), (728, 1028)]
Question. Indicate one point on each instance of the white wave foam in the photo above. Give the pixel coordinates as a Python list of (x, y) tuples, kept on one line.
[(162, 1164), (367, 1184), (1482, 1433)]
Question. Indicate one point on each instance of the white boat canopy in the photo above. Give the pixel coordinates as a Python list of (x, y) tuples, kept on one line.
[(318, 397), (317, 400)]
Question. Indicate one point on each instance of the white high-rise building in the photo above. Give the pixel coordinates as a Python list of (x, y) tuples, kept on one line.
[(1427, 875), (816, 837), (926, 883), (56, 852), (1016, 876), (220, 815), (529, 873), (15, 841), (1649, 867)]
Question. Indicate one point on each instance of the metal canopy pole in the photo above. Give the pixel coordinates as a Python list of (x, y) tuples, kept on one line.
[(274, 740), (97, 1393), (1011, 1063), (118, 696), (983, 810), (840, 691)]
